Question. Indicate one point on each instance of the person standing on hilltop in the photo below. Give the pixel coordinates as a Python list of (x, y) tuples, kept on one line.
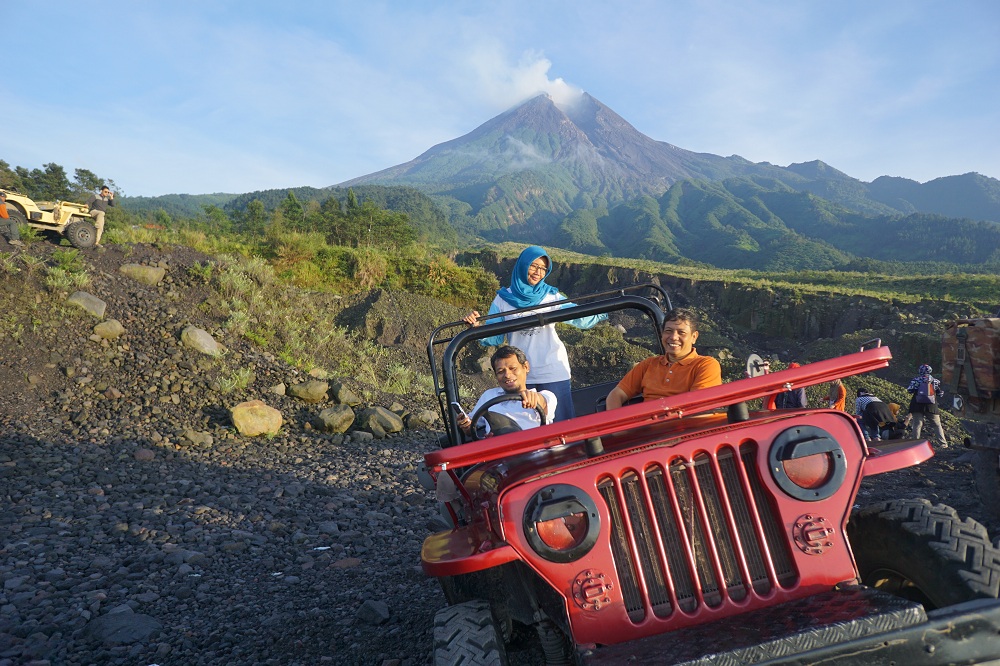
[(98, 205), (924, 390), (546, 353)]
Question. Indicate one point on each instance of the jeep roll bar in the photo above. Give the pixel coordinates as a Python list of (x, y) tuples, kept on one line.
[(673, 407), (446, 380)]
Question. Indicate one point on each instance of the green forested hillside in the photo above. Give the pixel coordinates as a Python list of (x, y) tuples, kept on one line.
[(424, 215), (763, 224), (176, 205)]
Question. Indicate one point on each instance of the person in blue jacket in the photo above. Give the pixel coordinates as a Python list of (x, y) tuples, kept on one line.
[(545, 351)]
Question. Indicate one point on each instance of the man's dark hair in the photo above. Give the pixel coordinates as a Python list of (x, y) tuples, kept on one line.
[(104, 187), (683, 315), (506, 351)]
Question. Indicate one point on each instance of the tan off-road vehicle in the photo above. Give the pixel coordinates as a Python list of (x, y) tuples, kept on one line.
[(72, 220)]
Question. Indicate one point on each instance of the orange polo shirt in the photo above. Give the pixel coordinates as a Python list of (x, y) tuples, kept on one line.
[(655, 377)]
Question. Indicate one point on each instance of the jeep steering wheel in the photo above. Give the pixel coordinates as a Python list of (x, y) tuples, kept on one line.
[(478, 414)]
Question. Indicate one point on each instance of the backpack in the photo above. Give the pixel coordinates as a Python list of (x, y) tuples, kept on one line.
[(925, 393)]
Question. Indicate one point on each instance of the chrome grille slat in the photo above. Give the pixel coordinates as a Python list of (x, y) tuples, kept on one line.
[(703, 533)]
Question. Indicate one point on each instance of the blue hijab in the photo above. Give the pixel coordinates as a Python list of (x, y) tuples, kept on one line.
[(521, 293)]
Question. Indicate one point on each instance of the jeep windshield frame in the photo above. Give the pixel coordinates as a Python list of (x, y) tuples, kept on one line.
[(445, 374)]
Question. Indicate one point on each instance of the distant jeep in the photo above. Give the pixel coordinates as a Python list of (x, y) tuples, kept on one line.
[(970, 353), (66, 218), (695, 529)]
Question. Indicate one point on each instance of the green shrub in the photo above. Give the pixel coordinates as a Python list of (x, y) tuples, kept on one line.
[(57, 279)]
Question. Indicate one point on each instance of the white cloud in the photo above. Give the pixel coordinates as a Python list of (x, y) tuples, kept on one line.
[(502, 84)]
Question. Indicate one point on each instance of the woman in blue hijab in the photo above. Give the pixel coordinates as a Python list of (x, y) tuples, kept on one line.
[(546, 353)]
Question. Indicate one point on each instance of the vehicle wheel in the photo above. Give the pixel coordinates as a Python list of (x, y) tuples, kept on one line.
[(81, 235), (987, 474), (924, 553), (467, 634), (16, 216)]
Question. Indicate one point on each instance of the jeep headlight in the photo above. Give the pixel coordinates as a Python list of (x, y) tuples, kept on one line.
[(562, 523)]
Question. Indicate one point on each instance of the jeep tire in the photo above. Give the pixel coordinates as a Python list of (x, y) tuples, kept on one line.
[(924, 553), (466, 634), (81, 234)]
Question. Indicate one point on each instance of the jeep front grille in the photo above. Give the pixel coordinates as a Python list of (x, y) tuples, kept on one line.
[(676, 534)]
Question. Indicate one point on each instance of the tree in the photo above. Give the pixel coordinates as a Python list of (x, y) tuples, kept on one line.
[(255, 219), (50, 184), (9, 179), (87, 182), (376, 227), (218, 221), (292, 211)]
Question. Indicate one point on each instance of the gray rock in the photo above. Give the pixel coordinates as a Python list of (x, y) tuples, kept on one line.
[(148, 275), (344, 395), (196, 438), (90, 303), (312, 391), (123, 626), (111, 329), (424, 419), (329, 527), (335, 419), (378, 418), (201, 341), (374, 612)]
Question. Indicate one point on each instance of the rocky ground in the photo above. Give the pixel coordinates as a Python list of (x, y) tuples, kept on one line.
[(126, 540)]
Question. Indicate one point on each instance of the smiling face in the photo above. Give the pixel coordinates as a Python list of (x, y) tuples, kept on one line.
[(511, 374), (537, 270), (678, 338)]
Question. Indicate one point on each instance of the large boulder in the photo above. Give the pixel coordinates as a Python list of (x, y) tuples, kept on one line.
[(379, 421), (335, 419), (253, 418)]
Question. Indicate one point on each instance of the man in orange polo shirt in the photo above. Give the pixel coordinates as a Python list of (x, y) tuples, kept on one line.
[(680, 369)]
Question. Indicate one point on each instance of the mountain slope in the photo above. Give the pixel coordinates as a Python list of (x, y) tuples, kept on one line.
[(538, 162), (763, 224)]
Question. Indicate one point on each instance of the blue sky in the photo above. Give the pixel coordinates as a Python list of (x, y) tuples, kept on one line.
[(233, 96)]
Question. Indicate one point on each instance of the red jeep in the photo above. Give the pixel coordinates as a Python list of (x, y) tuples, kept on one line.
[(693, 530)]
